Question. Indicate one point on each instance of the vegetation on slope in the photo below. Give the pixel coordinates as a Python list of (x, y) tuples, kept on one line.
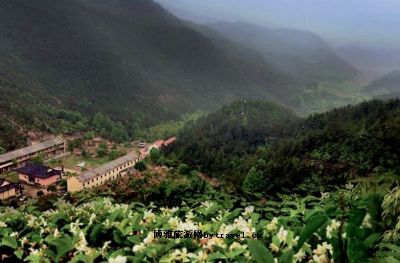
[(358, 222), (130, 60), (319, 152), (216, 143), (386, 84)]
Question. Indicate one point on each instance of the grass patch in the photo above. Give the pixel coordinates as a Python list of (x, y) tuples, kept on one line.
[(71, 161)]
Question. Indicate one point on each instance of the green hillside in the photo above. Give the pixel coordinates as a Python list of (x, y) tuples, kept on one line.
[(130, 60), (385, 85), (273, 151), (218, 142)]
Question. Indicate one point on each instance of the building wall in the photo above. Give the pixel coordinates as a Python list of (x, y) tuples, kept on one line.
[(111, 175), (41, 181), (74, 185), (22, 160), (8, 194)]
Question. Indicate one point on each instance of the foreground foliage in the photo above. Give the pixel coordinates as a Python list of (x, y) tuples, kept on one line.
[(346, 226)]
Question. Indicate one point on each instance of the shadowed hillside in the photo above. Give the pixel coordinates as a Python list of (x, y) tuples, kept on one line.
[(300, 54), (129, 59)]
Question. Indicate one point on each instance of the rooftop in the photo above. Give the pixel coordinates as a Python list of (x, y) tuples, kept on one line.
[(10, 156), (169, 141), (87, 176), (38, 171), (5, 187)]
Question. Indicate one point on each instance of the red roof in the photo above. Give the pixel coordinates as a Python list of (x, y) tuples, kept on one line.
[(158, 143), (169, 141)]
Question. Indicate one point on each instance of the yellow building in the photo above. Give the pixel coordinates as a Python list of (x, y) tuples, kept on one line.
[(7, 189), (102, 174)]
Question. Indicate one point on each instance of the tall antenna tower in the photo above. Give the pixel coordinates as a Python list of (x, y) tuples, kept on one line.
[(244, 106)]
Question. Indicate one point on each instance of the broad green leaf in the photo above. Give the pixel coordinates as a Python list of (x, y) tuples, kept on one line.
[(287, 257), (63, 245), (19, 253), (259, 252), (9, 242), (313, 224)]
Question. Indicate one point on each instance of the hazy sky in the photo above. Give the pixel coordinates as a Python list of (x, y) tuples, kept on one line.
[(368, 22)]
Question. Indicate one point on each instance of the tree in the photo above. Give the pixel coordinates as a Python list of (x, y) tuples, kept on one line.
[(155, 156), (140, 166), (184, 169), (118, 133), (254, 181), (38, 159), (109, 129), (114, 154), (89, 135), (102, 150), (52, 188)]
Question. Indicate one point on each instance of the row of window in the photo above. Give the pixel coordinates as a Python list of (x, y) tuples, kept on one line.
[(99, 178), (45, 151)]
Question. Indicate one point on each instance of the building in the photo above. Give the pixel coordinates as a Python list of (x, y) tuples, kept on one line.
[(7, 189), (18, 158), (156, 145), (102, 174), (169, 141), (159, 145), (40, 175)]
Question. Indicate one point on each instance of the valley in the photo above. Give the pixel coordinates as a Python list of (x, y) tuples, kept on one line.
[(132, 132)]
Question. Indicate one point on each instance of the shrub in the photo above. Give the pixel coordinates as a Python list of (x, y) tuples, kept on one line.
[(140, 166)]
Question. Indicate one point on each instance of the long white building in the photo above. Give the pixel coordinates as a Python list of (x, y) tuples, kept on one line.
[(100, 175), (18, 158)]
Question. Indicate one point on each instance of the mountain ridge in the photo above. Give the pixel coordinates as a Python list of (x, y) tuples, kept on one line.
[(301, 54), (385, 85), (123, 53)]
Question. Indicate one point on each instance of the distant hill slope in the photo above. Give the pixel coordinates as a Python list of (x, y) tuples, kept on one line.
[(378, 60), (129, 59), (301, 54), (386, 84), (273, 150)]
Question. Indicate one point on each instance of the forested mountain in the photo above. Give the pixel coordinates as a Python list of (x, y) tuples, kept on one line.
[(129, 59), (386, 84), (283, 152), (217, 142), (301, 54)]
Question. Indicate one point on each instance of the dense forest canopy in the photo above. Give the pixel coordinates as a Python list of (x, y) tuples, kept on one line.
[(89, 56), (77, 58), (269, 151)]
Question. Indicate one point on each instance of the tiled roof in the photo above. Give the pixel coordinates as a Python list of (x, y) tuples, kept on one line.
[(169, 141), (38, 171), (30, 149), (7, 187), (89, 175), (158, 143)]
